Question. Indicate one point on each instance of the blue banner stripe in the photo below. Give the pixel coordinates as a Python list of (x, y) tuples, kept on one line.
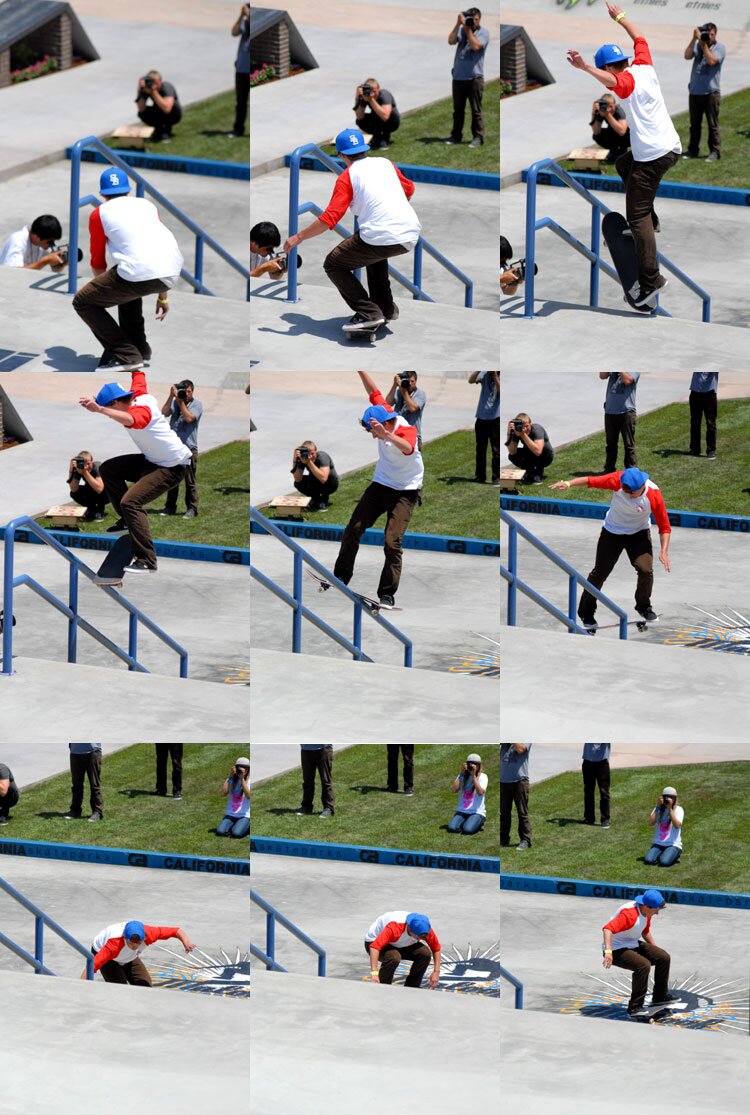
[(680, 191), (578, 509), (477, 547), (179, 164), (431, 175), (621, 892), (124, 857), (354, 853), (101, 543)]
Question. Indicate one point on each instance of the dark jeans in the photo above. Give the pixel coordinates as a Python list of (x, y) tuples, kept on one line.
[(390, 957), (165, 751), (662, 855), (524, 458), (312, 763), (191, 488), (618, 426), (161, 122), (467, 823), (9, 800), (147, 483), (608, 550), (378, 500), (487, 432), (595, 774), (380, 130), (514, 793), (640, 961), (126, 341), (616, 144), (641, 183), (242, 98), (700, 105), (86, 766), (703, 405), (407, 750), (135, 972), (309, 485), (352, 253), (471, 91), (85, 496)]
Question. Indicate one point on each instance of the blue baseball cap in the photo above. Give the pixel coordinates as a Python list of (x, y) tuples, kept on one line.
[(418, 924), (378, 414), (633, 478), (652, 898), (110, 392), (351, 142), (113, 182), (610, 52), (134, 929)]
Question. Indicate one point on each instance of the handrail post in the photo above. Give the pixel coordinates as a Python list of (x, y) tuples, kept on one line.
[(73, 605), (293, 224), (38, 942), (198, 263), (513, 570), (596, 250), (297, 612), (75, 193), (357, 629), (270, 936), (417, 279), (572, 593), (132, 638), (528, 308), (8, 603)]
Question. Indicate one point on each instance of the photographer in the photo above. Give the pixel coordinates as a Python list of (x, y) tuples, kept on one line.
[(704, 90), (514, 790), (509, 279), (376, 113), (164, 111), (236, 788), (241, 31), (408, 400), (184, 413), (470, 40), (609, 127), (703, 404), (620, 417), (471, 786), (9, 793), (321, 480), (487, 426), (86, 486), (529, 448), (264, 238), (33, 246), (667, 817)]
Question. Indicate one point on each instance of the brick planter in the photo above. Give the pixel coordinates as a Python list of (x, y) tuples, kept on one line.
[(273, 46), (513, 64)]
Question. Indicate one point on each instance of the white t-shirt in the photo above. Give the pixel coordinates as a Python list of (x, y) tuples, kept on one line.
[(652, 133), (237, 804), (665, 833), (474, 800), (156, 440), (384, 212), (18, 251), (140, 245), (394, 468)]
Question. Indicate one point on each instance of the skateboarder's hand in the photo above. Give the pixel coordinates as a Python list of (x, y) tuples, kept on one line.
[(378, 430), (559, 484), (374, 977), (292, 242), (664, 559), (576, 60), (434, 979), (607, 960), (88, 403), (188, 945), (614, 11), (162, 309)]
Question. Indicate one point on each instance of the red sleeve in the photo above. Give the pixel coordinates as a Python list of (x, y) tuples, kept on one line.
[(110, 951), (392, 932), (408, 433), (341, 199), (160, 933), (626, 919), (141, 415), (642, 55), (625, 85), (432, 941), (610, 481), (405, 182), (659, 510), (377, 399), (98, 241)]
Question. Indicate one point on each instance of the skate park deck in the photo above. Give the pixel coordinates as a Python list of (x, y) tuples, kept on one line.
[(328, 701)]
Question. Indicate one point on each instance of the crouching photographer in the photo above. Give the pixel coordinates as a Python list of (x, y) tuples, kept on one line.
[(86, 486), (314, 475), (264, 259), (376, 113), (609, 127), (511, 273), (529, 448)]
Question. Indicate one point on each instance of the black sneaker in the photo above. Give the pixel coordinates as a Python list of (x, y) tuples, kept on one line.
[(138, 565), (3, 819), (589, 622), (323, 505), (393, 315), (304, 812), (644, 296), (88, 515), (176, 796), (117, 528), (537, 479), (711, 455), (639, 1012), (648, 614), (361, 323), (168, 511), (104, 360), (605, 824), (98, 516), (386, 601), (70, 816), (115, 365)]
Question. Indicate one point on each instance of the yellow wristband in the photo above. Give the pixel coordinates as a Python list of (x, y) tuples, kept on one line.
[(621, 16), (160, 299), (607, 951)]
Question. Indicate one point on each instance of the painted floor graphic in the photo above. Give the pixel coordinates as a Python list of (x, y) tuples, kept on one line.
[(200, 973), (468, 971)]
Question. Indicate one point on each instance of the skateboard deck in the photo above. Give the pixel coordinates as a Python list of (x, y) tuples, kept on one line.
[(622, 250), (641, 624), (374, 605), (654, 1013), (369, 332), (112, 569)]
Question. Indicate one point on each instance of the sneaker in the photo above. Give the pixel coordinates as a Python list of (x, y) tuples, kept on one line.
[(639, 1012), (523, 846), (534, 480), (408, 793), (96, 816), (476, 142), (528, 477), (711, 455), (117, 528), (176, 796), (646, 296), (138, 565), (690, 155), (589, 623), (304, 812), (386, 601), (505, 843), (322, 505), (648, 614), (104, 360), (360, 323), (393, 315), (160, 793), (694, 452), (588, 822), (88, 515), (115, 365), (69, 816), (605, 824), (98, 516), (452, 142), (391, 789), (3, 819), (384, 145), (326, 814), (145, 351), (168, 511), (713, 157), (191, 513)]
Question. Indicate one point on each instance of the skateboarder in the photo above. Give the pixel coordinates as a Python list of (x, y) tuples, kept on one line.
[(117, 950), (397, 936), (654, 141), (628, 944), (158, 465), (378, 195), (395, 491), (627, 526)]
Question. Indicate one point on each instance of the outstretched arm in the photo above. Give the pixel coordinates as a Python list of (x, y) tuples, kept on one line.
[(578, 62), (369, 383), (618, 15)]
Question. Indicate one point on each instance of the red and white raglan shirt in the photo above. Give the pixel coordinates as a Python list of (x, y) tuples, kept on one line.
[(652, 133), (390, 929), (628, 926), (151, 432), (111, 945), (378, 195), (628, 516), (140, 245), (402, 471)]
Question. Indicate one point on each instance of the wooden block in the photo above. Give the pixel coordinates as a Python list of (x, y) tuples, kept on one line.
[(509, 478), (587, 158), (292, 506), (65, 516), (134, 136)]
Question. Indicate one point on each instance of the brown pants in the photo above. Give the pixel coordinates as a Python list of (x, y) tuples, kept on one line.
[(135, 972), (608, 550), (319, 762), (378, 500), (82, 766), (346, 258), (514, 793), (700, 105), (191, 488), (616, 426), (641, 183), (419, 953), (407, 750), (126, 341), (640, 961), (471, 91), (147, 483)]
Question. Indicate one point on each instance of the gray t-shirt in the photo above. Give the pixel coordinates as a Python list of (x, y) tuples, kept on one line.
[(469, 63), (620, 396), (596, 752), (514, 767), (704, 78), (242, 62), (413, 417), (6, 772), (322, 460), (384, 97), (704, 381), (488, 407), (186, 431)]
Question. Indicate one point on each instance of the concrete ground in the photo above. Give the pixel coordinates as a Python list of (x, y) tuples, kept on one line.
[(269, 759), (302, 698)]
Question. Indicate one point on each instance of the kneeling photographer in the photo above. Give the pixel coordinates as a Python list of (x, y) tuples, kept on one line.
[(609, 127), (666, 818), (511, 274), (264, 259), (529, 448), (86, 486), (314, 474), (375, 112), (408, 400)]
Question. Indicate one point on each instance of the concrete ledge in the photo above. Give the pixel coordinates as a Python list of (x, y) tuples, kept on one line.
[(586, 888)]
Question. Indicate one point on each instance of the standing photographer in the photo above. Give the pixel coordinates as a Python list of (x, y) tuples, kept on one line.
[(487, 426), (704, 90), (314, 475), (470, 40), (376, 113), (163, 111), (620, 417), (86, 486), (184, 413), (667, 817), (529, 448), (609, 127), (408, 400)]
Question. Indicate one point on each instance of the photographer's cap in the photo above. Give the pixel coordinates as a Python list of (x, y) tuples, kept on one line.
[(242, 762), (669, 791), (633, 478), (652, 898), (351, 142), (110, 392), (377, 413), (473, 758), (113, 182), (134, 929), (418, 924), (608, 53)]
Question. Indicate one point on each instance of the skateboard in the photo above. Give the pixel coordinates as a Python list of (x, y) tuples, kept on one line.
[(657, 1012), (622, 250), (2, 621), (112, 569), (641, 624), (367, 331), (374, 606)]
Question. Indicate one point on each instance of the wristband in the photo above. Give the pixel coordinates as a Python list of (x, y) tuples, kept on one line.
[(162, 300), (621, 16), (607, 951)]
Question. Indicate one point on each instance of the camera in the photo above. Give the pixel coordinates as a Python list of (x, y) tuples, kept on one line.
[(181, 389), (149, 82), (63, 251), (518, 425), (283, 261), (81, 462), (469, 20), (366, 90), (404, 377), (304, 452), (519, 268), (603, 106), (705, 33)]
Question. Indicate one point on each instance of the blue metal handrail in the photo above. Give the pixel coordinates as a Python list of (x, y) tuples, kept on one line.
[(421, 246), (272, 916), (517, 984), (70, 610), (575, 578), (300, 611), (202, 238), (593, 254), (41, 919)]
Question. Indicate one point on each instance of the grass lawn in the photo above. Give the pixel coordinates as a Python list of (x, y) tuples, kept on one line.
[(224, 500), (688, 483), (715, 829), (202, 133), (420, 139), (366, 814), (133, 817), (452, 503)]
